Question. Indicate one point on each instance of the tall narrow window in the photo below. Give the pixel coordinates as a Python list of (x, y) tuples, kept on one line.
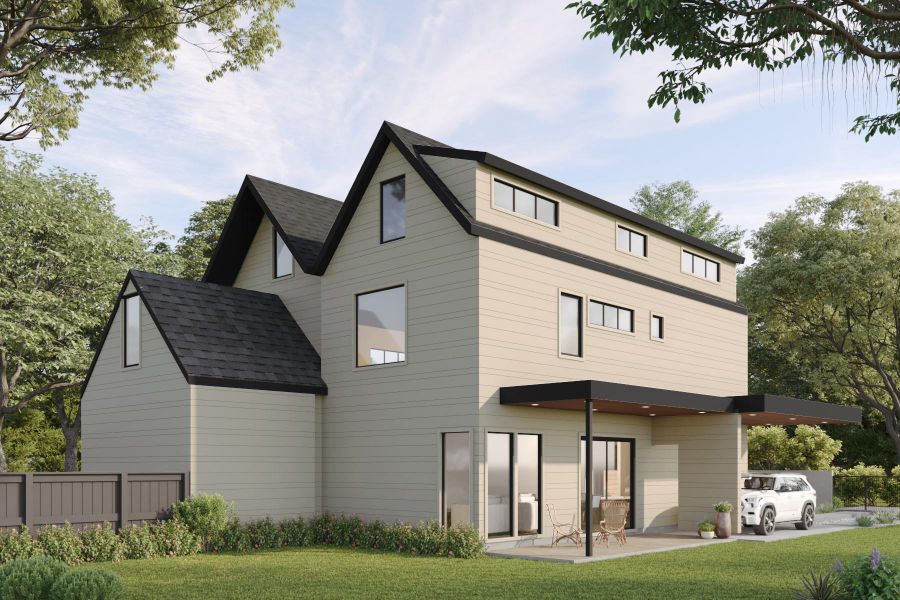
[(456, 458), (393, 209), (570, 334), (631, 241), (132, 321), (381, 327), (657, 331), (499, 508), (282, 259), (528, 465)]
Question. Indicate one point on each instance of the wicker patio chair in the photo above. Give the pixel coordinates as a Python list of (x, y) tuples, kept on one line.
[(563, 531), (615, 518)]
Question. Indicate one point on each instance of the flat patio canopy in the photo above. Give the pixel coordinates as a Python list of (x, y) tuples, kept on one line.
[(618, 398), (603, 396)]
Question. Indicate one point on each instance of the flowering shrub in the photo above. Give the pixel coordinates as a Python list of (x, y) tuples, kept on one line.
[(265, 534), (234, 538), (61, 543), (137, 542), (173, 538), (294, 532), (17, 544), (204, 515), (872, 577), (100, 544)]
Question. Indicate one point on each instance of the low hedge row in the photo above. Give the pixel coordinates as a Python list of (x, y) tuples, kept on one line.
[(349, 532), (45, 578)]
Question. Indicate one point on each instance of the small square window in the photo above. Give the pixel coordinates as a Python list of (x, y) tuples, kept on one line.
[(631, 241)]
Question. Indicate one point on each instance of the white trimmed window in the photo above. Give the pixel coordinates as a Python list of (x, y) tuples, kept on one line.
[(696, 265), (631, 241), (611, 316)]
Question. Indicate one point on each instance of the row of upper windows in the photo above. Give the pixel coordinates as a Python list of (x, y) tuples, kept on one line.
[(600, 314)]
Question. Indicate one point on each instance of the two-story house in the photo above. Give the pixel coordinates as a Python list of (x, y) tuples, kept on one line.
[(439, 346)]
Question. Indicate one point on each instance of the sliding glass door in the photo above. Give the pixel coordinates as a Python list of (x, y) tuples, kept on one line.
[(613, 478)]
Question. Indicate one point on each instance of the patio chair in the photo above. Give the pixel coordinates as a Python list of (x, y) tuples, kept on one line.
[(615, 518), (563, 531)]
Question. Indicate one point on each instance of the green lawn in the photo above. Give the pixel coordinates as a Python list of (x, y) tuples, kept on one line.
[(732, 571)]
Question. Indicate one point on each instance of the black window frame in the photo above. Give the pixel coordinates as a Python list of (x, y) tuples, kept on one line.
[(630, 233), (580, 325), (275, 237), (662, 327), (540, 480), (512, 468), (356, 327), (718, 278), (381, 209), (603, 325), (125, 300), (632, 483), (537, 197)]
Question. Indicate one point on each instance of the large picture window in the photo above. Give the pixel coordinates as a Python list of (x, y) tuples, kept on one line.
[(381, 327), (393, 209), (499, 508), (456, 458), (613, 479), (132, 330), (528, 469), (570, 333), (282, 260)]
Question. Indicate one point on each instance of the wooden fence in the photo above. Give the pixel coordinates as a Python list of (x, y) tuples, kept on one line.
[(86, 499)]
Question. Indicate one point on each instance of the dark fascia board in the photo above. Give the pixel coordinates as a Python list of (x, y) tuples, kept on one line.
[(535, 178), (257, 385), (237, 235), (615, 392), (785, 405)]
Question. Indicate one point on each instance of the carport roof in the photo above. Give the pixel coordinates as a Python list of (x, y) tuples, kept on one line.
[(609, 397)]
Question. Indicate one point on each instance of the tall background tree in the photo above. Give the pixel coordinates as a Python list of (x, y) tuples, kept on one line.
[(65, 253), (196, 246), (53, 52), (824, 295), (859, 37), (678, 205)]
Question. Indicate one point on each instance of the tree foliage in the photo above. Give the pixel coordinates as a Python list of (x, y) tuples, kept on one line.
[(809, 449), (196, 246), (53, 52), (825, 292), (860, 36), (678, 205), (65, 253)]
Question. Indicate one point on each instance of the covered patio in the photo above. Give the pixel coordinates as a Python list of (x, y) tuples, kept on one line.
[(708, 431)]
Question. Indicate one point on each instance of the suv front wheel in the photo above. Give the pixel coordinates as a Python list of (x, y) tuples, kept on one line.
[(809, 515), (766, 522)]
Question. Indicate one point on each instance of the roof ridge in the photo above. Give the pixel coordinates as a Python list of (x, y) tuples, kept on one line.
[(203, 284)]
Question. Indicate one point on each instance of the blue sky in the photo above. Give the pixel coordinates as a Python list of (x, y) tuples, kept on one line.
[(511, 77)]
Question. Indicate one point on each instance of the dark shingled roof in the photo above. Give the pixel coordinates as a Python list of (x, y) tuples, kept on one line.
[(232, 337)]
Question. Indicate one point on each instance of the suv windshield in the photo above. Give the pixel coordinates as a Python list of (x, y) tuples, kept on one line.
[(759, 483)]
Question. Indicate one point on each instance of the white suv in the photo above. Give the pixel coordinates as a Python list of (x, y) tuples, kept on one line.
[(782, 498)]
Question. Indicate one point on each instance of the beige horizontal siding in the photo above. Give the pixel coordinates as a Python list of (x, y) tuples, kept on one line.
[(458, 175)]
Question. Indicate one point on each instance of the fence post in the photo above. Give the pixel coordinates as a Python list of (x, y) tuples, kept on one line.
[(124, 501), (27, 511)]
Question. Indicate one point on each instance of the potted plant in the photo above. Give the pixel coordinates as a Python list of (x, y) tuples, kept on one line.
[(723, 519), (707, 530)]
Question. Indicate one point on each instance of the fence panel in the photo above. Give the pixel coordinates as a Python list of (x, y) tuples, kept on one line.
[(87, 499), (862, 492)]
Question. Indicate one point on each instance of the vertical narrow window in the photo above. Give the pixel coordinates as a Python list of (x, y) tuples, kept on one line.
[(393, 209), (282, 260), (657, 331), (499, 508), (132, 322), (528, 468), (455, 458), (570, 334), (381, 327)]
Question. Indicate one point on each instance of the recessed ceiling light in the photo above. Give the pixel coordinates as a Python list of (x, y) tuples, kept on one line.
[(702, 412), (768, 424), (824, 422), (646, 406), (535, 404), (752, 414), (652, 414), (793, 418)]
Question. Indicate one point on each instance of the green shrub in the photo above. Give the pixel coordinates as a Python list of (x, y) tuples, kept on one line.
[(204, 515), (706, 526), (100, 544), (61, 543), (17, 544), (173, 538), (464, 542), (87, 584), (865, 521), (138, 542), (373, 535), (398, 538), (723, 507), (29, 579), (234, 538), (861, 470), (264, 534), (885, 517), (294, 532), (429, 539), (820, 587), (320, 528), (346, 531), (872, 577)]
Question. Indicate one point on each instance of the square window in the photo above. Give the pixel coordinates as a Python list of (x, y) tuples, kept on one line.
[(381, 327), (503, 195)]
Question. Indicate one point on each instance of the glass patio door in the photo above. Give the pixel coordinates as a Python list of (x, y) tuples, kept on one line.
[(613, 478)]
